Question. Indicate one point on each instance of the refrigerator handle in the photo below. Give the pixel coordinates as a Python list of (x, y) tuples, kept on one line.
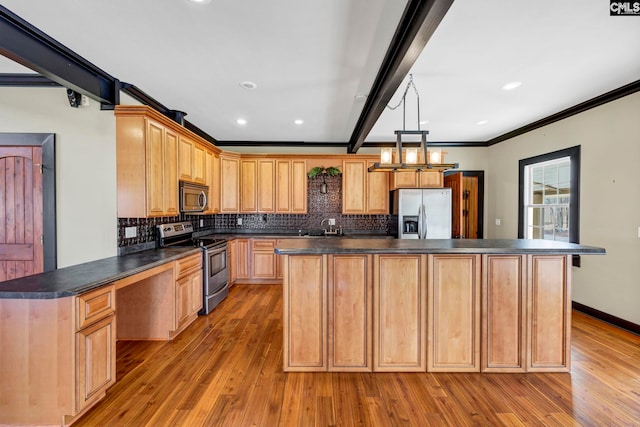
[(424, 222), (420, 222)]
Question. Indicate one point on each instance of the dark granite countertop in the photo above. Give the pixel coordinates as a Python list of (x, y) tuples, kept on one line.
[(431, 246), (81, 278)]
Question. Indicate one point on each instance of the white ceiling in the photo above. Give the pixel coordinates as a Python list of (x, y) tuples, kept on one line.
[(312, 59)]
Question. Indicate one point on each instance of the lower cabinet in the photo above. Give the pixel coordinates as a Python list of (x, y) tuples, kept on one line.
[(263, 259), (400, 313), (454, 313), (188, 290), (95, 361)]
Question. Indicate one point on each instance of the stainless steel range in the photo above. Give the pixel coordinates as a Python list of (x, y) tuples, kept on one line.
[(215, 274)]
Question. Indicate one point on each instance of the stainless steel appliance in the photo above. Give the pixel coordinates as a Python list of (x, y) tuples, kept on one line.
[(423, 213), (193, 197), (215, 274)]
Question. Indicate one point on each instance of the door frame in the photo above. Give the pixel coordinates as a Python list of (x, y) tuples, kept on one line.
[(48, 143)]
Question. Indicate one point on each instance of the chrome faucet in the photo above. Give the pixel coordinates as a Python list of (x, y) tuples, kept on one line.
[(332, 229)]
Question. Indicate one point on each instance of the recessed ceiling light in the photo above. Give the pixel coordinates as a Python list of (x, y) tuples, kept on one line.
[(248, 85), (241, 121), (511, 86), (298, 121), (482, 122)]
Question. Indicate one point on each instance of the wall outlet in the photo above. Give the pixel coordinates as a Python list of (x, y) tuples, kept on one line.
[(498, 221), (239, 221), (638, 232), (130, 232), (332, 221), (202, 223)]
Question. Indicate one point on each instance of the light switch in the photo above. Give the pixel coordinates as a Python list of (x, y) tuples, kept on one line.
[(498, 221), (239, 221)]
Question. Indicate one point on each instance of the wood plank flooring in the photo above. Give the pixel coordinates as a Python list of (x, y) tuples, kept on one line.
[(226, 370)]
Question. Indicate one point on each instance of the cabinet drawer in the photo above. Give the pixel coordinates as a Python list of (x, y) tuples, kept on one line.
[(188, 264), (263, 244), (95, 305)]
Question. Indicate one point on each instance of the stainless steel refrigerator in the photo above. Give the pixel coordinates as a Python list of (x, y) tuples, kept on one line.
[(423, 213)]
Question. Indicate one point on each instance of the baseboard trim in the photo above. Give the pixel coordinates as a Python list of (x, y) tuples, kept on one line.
[(605, 317)]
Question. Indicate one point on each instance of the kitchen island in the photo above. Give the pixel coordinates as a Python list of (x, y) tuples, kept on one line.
[(381, 305)]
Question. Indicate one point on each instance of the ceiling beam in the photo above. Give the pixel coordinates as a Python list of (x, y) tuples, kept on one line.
[(418, 23), (26, 45)]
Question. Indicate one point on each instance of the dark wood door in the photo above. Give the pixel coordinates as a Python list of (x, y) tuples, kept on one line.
[(454, 181), (21, 216)]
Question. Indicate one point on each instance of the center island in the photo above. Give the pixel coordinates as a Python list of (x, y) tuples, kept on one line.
[(441, 305)]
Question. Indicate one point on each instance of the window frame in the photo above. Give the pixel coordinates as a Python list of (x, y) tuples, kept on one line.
[(574, 181)]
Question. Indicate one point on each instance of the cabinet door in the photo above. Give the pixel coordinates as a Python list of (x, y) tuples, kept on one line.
[(353, 186), (298, 186), (263, 259), (229, 185), (377, 192), (242, 259), (199, 163), (403, 180), (503, 308), (195, 294), (305, 301), (431, 179), (349, 304), (399, 313), (549, 313), (232, 261), (279, 263), (95, 361), (248, 189), (183, 303), (155, 168), (185, 158), (283, 186), (171, 173), (266, 186), (212, 175), (454, 313)]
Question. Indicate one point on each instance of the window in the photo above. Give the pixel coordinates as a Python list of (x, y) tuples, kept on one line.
[(549, 200)]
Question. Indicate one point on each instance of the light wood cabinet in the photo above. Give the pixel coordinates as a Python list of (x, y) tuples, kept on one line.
[(549, 313), (305, 302), (454, 313), (263, 265), (146, 157), (266, 193), (248, 186), (212, 177), (279, 263), (413, 179), (232, 261), (95, 361), (291, 186), (191, 160), (188, 290), (242, 255), (229, 183), (349, 308), (504, 313), (399, 314), (364, 192)]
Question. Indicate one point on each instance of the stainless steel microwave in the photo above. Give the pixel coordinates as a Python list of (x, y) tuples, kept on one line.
[(193, 197)]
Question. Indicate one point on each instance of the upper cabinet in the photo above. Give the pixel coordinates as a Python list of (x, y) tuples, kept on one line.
[(212, 179), (291, 186), (229, 183), (149, 163), (364, 192), (412, 179)]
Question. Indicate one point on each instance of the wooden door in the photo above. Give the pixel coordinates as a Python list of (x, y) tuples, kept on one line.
[(470, 210), (454, 181), (21, 216)]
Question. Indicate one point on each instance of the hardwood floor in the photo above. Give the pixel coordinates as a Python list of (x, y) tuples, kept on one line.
[(226, 370)]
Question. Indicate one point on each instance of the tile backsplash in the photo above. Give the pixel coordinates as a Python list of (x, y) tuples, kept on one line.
[(319, 207)]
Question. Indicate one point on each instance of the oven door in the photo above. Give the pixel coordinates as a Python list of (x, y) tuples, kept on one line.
[(216, 270)]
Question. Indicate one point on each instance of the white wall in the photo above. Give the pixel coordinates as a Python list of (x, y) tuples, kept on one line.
[(85, 167), (609, 137)]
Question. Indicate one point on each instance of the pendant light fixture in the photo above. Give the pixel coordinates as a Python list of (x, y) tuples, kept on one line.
[(431, 158)]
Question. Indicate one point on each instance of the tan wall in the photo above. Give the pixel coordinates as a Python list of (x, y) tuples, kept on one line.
[(85, 167), (609, 205)]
